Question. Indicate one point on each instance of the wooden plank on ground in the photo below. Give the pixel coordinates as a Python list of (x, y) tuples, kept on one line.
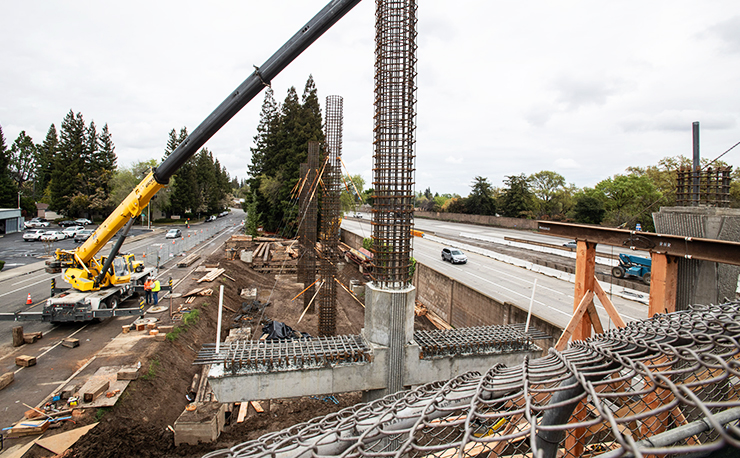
[(257, 406), (243, 408)]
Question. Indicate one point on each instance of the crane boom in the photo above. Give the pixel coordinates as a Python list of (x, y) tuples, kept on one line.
[(83, 258)]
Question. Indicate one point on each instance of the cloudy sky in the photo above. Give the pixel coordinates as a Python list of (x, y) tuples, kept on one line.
[(584, 88)]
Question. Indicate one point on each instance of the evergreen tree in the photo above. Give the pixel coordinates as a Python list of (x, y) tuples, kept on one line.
[(44, 161), (517, 200), (67, 163), (23, 161), (8, 190), (106, 159), (481, 201), (183, 184)]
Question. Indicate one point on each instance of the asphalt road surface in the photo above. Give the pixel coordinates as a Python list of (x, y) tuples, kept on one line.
[(57, 364)]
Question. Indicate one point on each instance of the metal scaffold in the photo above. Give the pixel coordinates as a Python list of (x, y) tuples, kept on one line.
[(395, 124), (667, 385), (330, 216)]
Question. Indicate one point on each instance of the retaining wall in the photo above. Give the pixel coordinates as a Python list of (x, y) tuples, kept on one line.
[(485, 220)]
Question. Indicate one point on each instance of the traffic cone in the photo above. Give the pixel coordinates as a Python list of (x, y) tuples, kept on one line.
[(29, 301)]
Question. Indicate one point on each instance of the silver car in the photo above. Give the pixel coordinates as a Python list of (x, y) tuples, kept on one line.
[(454, 255)]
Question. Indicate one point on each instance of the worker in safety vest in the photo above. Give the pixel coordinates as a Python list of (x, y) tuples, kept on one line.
[(155, 289), (148, 284)]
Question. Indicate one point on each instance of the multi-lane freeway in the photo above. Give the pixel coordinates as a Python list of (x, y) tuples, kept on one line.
[(503, 281)]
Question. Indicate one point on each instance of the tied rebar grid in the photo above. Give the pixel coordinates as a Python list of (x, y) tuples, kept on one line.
[(713, 189), (480, 340), (395, 123), (258, 356), (668, 385), (309, 210), (330, 216)]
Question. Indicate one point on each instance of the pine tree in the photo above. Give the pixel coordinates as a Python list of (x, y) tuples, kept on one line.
[(45, 156), (8, 190), (67, 163), (183, 184)]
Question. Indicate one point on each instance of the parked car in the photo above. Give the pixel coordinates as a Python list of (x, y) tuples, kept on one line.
[(83, 235), (83, 221), (223, 213), (53, 236), (454, 255), (71, 231), (211, 218), (67, 223), (173, 234), (33, 235), (36, 223)]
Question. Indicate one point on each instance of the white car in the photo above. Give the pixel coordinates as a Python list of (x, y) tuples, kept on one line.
[(33, 235), (52, 236), (34, 223), (173, 234), (83, 221), (71, 231)]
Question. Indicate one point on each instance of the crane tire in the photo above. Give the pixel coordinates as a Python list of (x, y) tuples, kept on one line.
[(646, 278), (618, 271)]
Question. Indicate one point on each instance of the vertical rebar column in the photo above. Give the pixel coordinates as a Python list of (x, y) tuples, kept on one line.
[(395, 124), (310, 221), (696, 164), (330, 216)]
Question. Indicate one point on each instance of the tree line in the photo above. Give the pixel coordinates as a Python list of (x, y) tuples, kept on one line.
[(622, 200), (75, 171)]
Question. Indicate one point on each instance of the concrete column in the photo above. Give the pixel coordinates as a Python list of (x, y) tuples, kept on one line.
[(389, 322)]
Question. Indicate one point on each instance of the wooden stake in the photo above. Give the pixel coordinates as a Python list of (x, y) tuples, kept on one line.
[(307, 288), (310, 302), (350, 292)]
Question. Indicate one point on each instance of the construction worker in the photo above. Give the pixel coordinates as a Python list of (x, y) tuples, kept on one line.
[(148, 284), (155, 289)]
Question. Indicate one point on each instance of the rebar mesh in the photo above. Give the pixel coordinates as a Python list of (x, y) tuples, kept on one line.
[(395, 124), (668, 385), (308, 226), (713, 187), (330, 216)]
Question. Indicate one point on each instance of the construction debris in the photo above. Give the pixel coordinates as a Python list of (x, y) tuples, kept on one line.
[(71, 342), (6, 379), (25, 361), (198, 292)]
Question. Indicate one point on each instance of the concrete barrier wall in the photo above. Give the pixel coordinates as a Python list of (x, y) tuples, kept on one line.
[(485, 220), (351, 239), (463, 306)]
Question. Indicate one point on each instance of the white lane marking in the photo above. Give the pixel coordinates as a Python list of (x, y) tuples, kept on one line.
[(55, 346), (23, 287), (28, 279)]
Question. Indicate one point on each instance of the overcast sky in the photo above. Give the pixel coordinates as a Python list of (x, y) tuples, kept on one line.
[(584, 88)]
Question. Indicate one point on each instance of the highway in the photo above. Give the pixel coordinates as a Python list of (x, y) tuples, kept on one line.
[(503, 281)]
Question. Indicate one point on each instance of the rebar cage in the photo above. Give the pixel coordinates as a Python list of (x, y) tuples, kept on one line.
[(395, 125), (330, 215), (667, 385), (703, 187)]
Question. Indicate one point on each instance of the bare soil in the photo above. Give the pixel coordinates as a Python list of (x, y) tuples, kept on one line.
[(138, 424)]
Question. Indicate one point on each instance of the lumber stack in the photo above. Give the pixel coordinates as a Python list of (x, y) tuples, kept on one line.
[(212, 275), (188, 260), (275, 256)]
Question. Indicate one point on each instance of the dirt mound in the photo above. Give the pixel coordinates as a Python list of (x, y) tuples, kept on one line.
[(138, 424)]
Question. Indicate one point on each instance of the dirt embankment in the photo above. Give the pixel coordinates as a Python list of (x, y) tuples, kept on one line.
[(138, 424)]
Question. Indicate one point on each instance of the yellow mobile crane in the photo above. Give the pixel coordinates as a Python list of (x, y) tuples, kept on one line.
[(102, 283)]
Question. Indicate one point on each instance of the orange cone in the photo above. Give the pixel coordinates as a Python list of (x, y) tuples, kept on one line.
[(29, 301)]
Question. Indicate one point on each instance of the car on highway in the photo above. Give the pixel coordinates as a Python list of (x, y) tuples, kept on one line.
[(71, 231), (571, 244), (66, 223), (33, 234), (173, 234), (36, 223), (454, 255), (53, 236), (83, 221), (83, 235)]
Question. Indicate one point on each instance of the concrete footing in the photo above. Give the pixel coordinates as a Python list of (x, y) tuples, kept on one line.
[(204, 424)]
